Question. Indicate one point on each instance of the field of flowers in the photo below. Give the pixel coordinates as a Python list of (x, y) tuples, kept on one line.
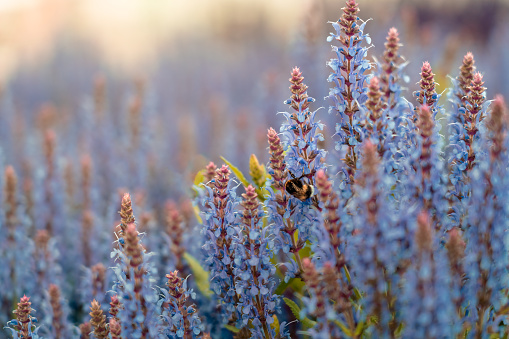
[(386, 217)]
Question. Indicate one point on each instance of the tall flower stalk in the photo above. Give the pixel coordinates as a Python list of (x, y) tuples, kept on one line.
[(255, 284), (23, 326), (220, 220), (287, 213), (487, 224), (134, 283), (181, 317), (375, 251), (349, 92)]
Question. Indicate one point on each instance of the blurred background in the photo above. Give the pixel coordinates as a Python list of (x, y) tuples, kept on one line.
[(195, 80), (101, 97)]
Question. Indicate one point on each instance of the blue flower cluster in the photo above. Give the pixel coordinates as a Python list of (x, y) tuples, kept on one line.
[(392, 233), (255, 282), (219, 226)]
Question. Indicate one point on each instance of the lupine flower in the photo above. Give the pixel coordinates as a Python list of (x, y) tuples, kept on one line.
[(87, 227), (16, 249), (456, 255), (428, 180), (375, 252), (388, 247), (126, 214), (99, 279), (474, 115), (47, 269), (277, 160), (115, 307), (174, 230), (85, 329), (219, 223), (115, 329), (428, 310), (278, 205), (139, 313), (377, 125), (23, 327), (427, 95), (98, 321), (210, 171), (86, 182), (458, 149), (49, 152), (58, 326), (318, 304), (349, 91), (486, 228), (182, 318), (464, 80), (389, 69), (329, 256), (255, 284), (395, 137), (28, 194), (331, 249), (94, 284), (302, 160), (374, 105)]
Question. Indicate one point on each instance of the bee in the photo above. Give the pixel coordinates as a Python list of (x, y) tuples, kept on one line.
[(298, 188)]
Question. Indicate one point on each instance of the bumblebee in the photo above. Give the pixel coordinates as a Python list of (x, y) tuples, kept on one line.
[(298, 188)]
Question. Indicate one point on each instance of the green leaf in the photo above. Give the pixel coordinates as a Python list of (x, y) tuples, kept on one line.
[(232, 328), (283, 285), (298, 285), (399, 330), (306, 322), (293, 307), (359, 329), (356, 292), (275, 324), (237, 173), (200, 275), (306, 251), (262, 193), (199, 178), (343, 328)]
